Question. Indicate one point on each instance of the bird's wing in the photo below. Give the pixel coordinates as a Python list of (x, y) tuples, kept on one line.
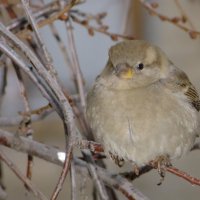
[(193, 96), (178, 81)]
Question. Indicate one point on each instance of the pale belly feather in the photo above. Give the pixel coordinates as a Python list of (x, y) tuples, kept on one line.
[(120, 121)]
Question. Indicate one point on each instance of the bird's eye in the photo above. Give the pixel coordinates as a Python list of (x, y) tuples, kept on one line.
[(140, 66)]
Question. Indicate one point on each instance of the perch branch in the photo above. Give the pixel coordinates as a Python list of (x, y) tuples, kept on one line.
[(184, 175), (96, 147)]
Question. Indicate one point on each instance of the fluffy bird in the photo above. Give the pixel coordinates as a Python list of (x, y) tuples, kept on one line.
[(142, 107)]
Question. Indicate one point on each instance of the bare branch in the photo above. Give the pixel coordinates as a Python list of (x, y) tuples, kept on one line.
[(50, 154), (27, 68), (96, 178), (46, 10), (103, 30), (63, 48), (4, 121), (64, 171), (62, 14), (25, 124), (184, 175), (73, 182), (193, 33), (77, 71), (41, 46), (4, 73), (185, 17)]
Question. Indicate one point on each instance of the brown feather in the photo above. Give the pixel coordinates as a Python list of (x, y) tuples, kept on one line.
[(178, 81), (193, 97)]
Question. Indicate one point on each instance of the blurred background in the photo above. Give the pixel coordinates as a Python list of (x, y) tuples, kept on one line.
[(125, 17)]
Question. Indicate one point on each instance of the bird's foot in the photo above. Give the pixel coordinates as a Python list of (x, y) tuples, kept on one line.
[(118, 161), (161, 163), (136, 169)]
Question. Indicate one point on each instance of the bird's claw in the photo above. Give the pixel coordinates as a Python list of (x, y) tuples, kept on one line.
[(161, 163), (118, 161)]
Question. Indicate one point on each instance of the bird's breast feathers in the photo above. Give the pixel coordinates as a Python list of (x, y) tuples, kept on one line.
[(152, 120)]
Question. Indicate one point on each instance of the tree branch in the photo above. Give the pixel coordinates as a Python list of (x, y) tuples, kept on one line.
[(50, 154), (175, 21)]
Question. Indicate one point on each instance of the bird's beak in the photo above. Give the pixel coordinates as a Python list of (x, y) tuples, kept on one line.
[(128, 74), (124, 71)]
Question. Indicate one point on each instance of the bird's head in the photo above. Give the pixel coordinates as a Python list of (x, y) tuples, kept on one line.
[(135, 63)]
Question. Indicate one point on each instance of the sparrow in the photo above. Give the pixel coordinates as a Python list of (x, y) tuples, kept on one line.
[(142, 107)]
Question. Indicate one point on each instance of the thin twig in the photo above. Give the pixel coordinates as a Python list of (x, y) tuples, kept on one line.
[(26, 122), (62, 14), (9, 8), (77, 71), (25, 180), (96, 178), (73, 182), (41, 46), (193, 33), (91, 30), (4, 73), (90, 17), (27, 68), (184, 175), (64, 172), (46, 11), (185, 17), (61, 44), (36, 115)]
